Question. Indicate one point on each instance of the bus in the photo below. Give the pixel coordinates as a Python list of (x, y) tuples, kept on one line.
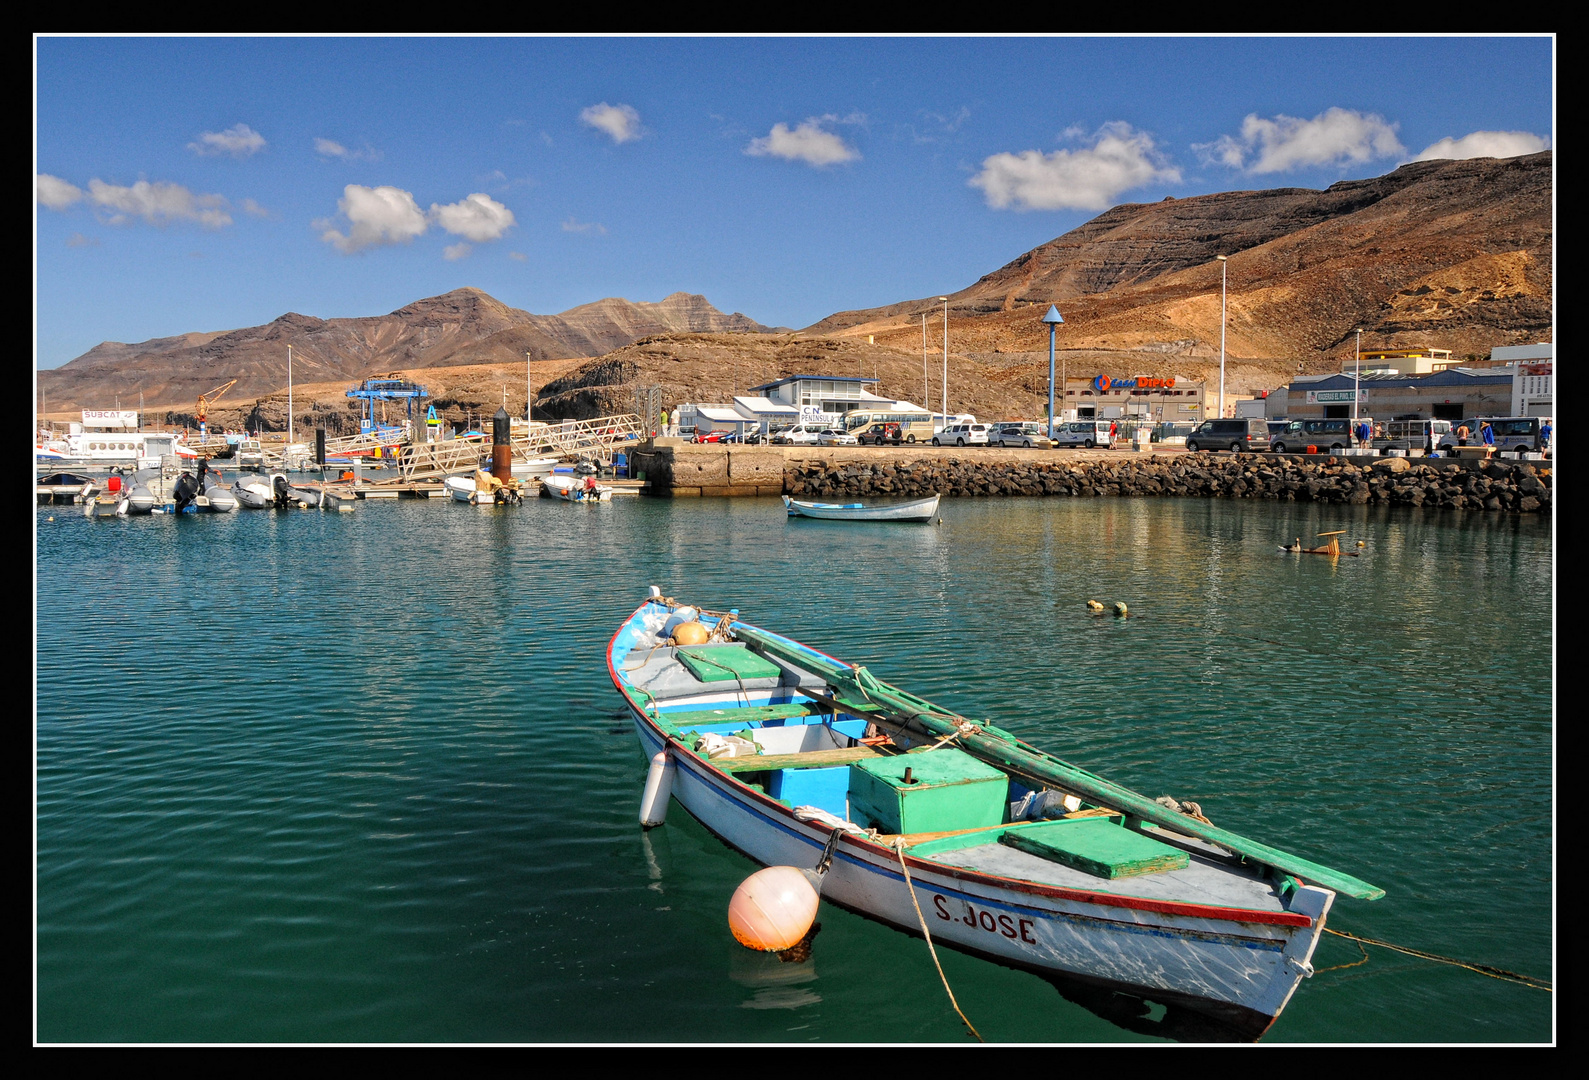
[(866, 425)]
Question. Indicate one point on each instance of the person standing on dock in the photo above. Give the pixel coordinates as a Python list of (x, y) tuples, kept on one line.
[(1462, 434), (1487, 434), (1544, 437)]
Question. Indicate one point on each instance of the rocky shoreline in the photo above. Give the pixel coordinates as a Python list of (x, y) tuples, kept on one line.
[(1500, 486)]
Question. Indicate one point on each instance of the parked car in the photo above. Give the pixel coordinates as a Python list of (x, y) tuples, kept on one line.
[(962, 434), (1084, 433), (797, 435), (1241, 434), (1331, 433), (1019, 433), (710, 436), (878, 434), (829, 436)]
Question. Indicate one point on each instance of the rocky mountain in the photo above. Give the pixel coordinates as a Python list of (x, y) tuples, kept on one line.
[(1451, 254), (460, 328)]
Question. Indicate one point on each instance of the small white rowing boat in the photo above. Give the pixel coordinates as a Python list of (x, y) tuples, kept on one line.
[(917, 510)]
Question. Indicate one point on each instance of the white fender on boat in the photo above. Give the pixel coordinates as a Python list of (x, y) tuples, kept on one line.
[(659, 788), (773, 908), (679, 617)]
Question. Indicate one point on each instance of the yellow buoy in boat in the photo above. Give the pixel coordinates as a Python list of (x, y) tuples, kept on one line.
[(690, 633), (772, 909)]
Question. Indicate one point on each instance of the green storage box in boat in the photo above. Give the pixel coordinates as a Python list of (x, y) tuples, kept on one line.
[(1098, 846), (948, 789), (722, 663)]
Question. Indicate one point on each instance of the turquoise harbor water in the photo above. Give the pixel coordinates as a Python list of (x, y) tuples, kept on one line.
[(363, 777)]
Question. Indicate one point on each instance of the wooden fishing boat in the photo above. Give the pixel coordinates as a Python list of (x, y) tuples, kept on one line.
[(916, 510), (467, 489), (831, 765), (1333, 547)]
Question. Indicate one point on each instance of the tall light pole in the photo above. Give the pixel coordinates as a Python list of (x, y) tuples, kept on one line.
[(289, 396), (945, 300), (529, 400), (1223, 262), (1053, 319), (926, 395), (1357, 379)]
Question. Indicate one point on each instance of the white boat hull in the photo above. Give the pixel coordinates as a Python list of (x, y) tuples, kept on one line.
[(917, 510), (462, 488), (572, 489)]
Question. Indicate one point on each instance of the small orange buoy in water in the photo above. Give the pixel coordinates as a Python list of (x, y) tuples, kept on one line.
[(772, 909)]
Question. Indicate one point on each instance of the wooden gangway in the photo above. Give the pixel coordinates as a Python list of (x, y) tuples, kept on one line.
[(572, 438)]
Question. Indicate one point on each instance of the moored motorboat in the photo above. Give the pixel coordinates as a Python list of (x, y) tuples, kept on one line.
[(470, 489), (914, 510), (575, 488), (923, 819)]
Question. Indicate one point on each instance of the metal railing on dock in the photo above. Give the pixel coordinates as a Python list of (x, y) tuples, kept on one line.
[(572, 438)]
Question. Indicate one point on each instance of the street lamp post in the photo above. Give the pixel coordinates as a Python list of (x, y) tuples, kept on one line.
[(289, 397), (1053, 319), (926, 395), (1223, 262), (945, 300), (529, 399), (1357, 378)]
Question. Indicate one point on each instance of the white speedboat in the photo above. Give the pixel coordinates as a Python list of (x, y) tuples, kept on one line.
[(575, 488), (467, 489)]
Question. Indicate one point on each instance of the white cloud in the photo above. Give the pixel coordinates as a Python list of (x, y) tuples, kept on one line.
[(478, 218), (158, 204), (518, 256), (454, 252), (584, 227), (254, 209), (330, 148), (621, 122), (377, 216), (1090, 178), (1499, 144), (808, 142), (1335, 137), (55, 193), (238, 141)]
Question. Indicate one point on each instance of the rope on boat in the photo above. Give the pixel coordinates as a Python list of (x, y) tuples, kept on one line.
[(1482, 969), (899, 849)]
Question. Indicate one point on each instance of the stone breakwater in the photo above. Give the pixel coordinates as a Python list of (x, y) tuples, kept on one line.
[(1517, 487)]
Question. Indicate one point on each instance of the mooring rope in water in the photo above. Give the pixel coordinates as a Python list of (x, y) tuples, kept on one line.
[(899, 849), (1482, 969)]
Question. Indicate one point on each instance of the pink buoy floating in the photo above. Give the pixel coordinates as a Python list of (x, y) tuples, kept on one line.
[(773, 908)]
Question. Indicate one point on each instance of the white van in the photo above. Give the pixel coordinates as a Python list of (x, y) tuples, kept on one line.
[(962, 434), (1084, 433)]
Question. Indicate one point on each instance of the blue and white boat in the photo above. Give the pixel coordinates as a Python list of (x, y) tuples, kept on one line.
[(915, 510), (798, 759)]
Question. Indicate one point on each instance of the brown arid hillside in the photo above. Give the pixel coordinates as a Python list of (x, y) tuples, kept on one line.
[(1446, 254), (465, 327)]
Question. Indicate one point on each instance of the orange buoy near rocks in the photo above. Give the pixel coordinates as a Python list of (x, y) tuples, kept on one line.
[(773, 908)]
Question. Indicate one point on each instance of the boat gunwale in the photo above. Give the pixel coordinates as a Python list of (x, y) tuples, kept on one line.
[(863, 845)]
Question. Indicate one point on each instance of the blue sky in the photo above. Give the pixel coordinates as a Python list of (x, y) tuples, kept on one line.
[(193, 184)]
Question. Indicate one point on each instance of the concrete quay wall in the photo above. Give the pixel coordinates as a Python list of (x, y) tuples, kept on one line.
[(900, 472)]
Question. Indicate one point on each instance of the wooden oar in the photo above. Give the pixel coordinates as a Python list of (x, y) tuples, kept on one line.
[(919, 716)]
